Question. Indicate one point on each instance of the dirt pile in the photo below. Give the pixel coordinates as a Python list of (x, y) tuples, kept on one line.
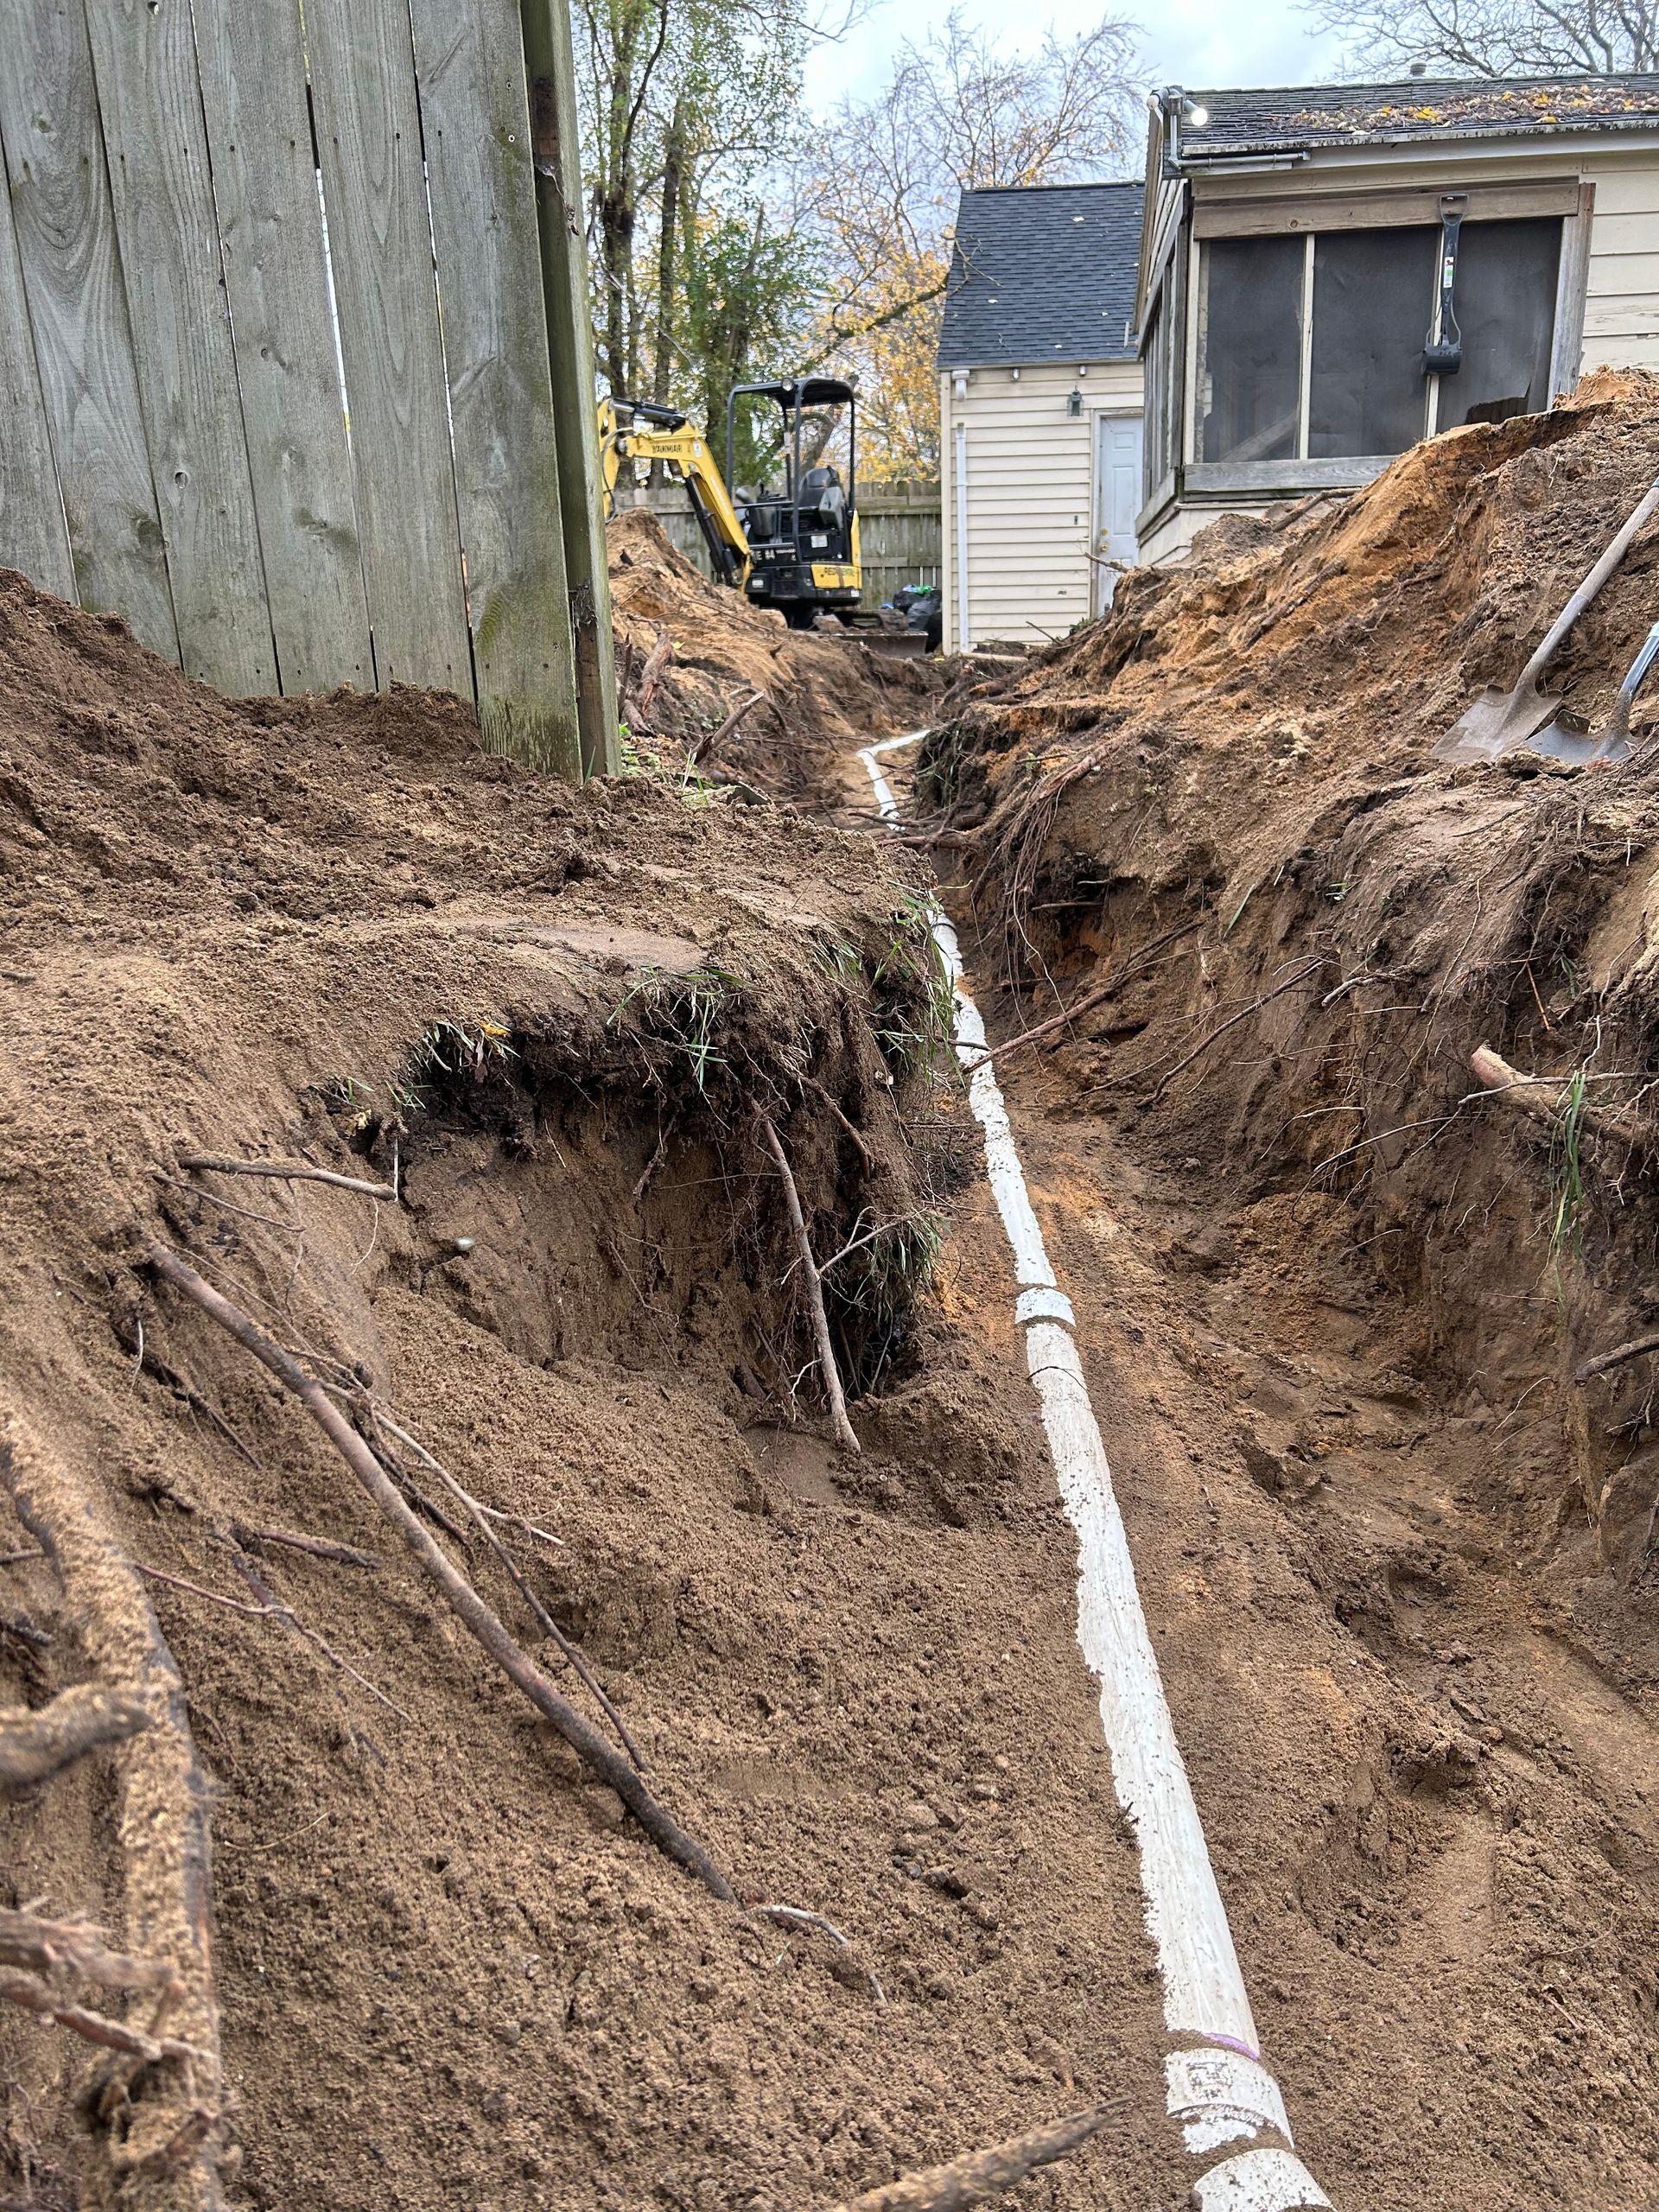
[(820, 695), (421, 1957), (1221, 801)]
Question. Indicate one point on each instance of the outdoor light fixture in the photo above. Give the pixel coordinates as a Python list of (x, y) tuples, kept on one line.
[(1197, 116), (1074, 404)]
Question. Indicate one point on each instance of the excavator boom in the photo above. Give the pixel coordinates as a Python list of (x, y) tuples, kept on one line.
[(635, 430)]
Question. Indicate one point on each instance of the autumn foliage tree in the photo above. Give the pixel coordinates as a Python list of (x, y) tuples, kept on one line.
[(735, 235)]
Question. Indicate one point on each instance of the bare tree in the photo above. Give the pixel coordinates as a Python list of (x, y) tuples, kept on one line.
[(1495, 38), (957, 114)]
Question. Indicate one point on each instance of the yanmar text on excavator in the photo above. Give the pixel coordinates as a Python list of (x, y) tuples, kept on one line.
[(795, 549)]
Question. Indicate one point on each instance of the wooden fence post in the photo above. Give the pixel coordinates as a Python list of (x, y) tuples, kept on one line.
[(549, 67)]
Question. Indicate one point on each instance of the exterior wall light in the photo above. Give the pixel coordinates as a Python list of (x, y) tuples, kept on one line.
[(1074, 402)]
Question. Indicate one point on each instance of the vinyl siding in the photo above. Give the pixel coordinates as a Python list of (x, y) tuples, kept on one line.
[(1029, 511), (1621, 304)]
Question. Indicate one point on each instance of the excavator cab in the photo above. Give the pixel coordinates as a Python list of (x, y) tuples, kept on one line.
[(803, 538)]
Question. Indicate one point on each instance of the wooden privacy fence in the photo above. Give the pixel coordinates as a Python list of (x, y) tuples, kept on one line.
[(898, 530), (294, 347)]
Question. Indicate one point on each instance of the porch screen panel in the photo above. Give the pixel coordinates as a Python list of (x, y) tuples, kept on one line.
[(1373, 301), (1505, 305), (1250, 348)]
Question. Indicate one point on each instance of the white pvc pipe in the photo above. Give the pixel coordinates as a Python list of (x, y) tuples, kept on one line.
[(1217, 2090)]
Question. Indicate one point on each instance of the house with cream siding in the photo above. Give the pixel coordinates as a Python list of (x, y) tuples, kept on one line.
[(1328, 274), (1039, 407)]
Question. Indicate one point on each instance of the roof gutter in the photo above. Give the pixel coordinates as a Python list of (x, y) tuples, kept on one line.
[(1275, 154)]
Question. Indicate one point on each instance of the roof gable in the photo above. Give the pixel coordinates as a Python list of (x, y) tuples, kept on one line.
[(1042, 272)]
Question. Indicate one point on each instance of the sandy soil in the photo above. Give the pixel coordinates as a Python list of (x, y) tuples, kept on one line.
[(1400, 1600), (445, 1968), (820, 696)]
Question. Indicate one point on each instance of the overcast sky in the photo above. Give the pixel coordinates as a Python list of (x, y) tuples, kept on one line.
[(1191, 43)]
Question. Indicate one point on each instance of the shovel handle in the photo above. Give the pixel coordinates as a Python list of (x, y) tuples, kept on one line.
[(1587, 590), (1640, 665)]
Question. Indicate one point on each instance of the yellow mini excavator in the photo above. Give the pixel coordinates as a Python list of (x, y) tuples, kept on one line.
[(795, 549)]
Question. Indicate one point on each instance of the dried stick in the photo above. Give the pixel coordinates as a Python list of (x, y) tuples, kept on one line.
[(710, 739), (831, 1373), (1617, 1356), (289, 1171), (34, 1746), (549, 1626), (794, 1916), (476, 1616), (979, 2174), (315, 1546)]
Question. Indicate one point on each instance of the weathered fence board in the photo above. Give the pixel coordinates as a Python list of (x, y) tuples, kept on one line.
[(475, 126), (295, 359), (32, 533), (77, 313), (253, 94), (369, 140), (144, 62), (551, 74)]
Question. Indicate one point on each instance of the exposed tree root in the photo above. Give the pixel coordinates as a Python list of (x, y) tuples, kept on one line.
[(165, 2110), (287, 1171), (814, 1281), (34, 1746), (979, 2174), (480, 1621)]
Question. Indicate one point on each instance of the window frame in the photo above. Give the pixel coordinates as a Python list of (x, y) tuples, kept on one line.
[(1309, 215)]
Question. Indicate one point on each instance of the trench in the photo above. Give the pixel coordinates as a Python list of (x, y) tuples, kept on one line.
[(1430, 1802), (1219, 2093)]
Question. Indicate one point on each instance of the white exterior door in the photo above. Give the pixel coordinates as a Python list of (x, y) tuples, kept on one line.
[(1117, 501)]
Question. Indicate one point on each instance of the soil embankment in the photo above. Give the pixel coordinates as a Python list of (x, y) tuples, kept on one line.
[(691, 653)]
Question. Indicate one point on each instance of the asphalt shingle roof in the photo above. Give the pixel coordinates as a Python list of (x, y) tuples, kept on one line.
[(1307, 116), (1043, 272)]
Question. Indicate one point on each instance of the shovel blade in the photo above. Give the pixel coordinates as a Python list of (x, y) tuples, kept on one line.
[(1498, 722), (1577, 747)]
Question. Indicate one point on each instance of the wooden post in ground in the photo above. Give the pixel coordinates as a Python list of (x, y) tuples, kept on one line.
[(549, 67)]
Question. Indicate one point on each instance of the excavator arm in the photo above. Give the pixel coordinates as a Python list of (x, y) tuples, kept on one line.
[(635, 430)]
